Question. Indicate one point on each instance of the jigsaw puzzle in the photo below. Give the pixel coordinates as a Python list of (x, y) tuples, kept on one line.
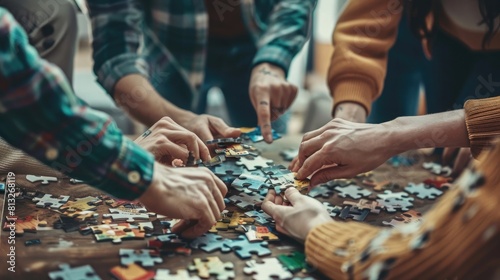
[(352, 191), (437, 169), (48, 201), (213, 266), (85, 272), (225, 141), (260, 216), (131, 272), (251, 182), (354, 213), (294, 262), (244, 249), (364, 204), (182, 274), (144, 257), (392, 201), (402, 160), (116, 232), (44, 179), (80, 216), (439, 182), (88, 203), (331, 209), (246, 201), (260, 233), (123, 215), (28, 224), (69, 224), (265, 269), (322, 190), (276, 170), (210, 242), (409, 217), (255, 134), (378, 186), (423, 191), (253, 163), (237, 220), (229, 168)]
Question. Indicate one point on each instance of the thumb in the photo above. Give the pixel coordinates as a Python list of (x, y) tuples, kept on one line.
[(293, 195), (223, 129), (269, 207), (331, 173)]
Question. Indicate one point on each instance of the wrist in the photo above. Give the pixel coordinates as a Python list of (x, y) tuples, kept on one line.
[(266, 68), (400, 134), (350, 111)]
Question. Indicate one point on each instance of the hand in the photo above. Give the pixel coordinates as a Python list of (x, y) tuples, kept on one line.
[(460, 157), (209, 127), (298, 219), (343, 149), (271, 95), (350, 111), (195, 195), (167, 141)]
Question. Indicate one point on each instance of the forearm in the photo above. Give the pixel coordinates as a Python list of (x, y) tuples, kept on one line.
[(446, 129), (135, 94)]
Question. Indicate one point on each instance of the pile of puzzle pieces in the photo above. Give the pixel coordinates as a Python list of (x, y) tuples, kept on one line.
[(250, 176)]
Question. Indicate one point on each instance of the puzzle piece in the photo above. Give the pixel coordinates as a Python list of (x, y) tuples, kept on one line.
[(131, 272), (237, 219), (244, 249), (251, 182), (234, 150), (331, 209), (393, 204), (85, 272), (209, 243), (260, 216), (354, 213), (116, 232), (289, 154), (229, 168), (294, 262), (322, 190), (265, 269), (438, 182), (28, 224), (69, 224), (80, 215), (253, 163), (352, 191), (255, 134), (276, 170), (213, 266), (169, 244), (225, 141), (283, 181), (260, 233), (409, 217), (339, 183), (393, 195), (216, 160), (125, 215), (401, 160), (144, 257), (182, 274), (246, 201), (44, 179), (32, 242), (377, 186), (48, 201), (83, 204), (220, 225), (437, 168), (362, 204), (423, 191)]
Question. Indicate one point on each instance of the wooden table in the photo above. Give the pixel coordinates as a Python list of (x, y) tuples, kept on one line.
[(58, 247)]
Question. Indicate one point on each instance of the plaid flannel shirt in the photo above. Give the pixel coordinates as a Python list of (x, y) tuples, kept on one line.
[(154, 37), (40, 114)]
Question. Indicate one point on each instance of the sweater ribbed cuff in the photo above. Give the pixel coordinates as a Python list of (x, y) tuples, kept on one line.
[(481, 118), (352, 90)]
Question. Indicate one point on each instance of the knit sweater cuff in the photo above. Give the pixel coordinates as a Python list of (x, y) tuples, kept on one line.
[(353, 90), (481, 118)]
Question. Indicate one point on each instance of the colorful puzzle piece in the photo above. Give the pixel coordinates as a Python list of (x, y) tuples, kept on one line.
[(362, 204), (409, 217), (116, 232), (209, 243), (260, 233), (265, 269), (125, 215), (83, 204), (28, 224), (131, 272), (48, 201), (244, 249), (213, 266), (260, 216), (438, 182), (246, 201), (44, 179), (331, 209), (146, 258), (437, 168), (85, 272), (423, 191), (182, 274)]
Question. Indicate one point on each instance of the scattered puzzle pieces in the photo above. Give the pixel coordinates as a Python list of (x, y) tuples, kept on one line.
[(144, 257), (48, 201), (251, 182), (322, 190), (260, 216), (362, 204), (423, 191), (88, 203), (437, 168), (294, 262), (229, 168), (213, 266), (244, 249), (409, 217), (438, 182), (85, 272), (352, 191), (392, 201), (265, 269), (123, 215), (331, 209), (28, 224), (246, 201), (260, 233), (116, 232)]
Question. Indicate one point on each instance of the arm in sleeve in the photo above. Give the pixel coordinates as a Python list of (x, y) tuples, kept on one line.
[(288, 30), (482, 117), (40, 114), (364, 33), (117, 34)]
